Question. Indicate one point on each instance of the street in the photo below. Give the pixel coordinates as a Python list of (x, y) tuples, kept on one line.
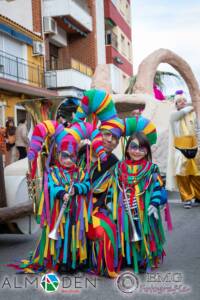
[(180, 266)]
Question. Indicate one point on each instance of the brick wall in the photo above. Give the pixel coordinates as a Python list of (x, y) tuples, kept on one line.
[(37, 20), (83, 49)]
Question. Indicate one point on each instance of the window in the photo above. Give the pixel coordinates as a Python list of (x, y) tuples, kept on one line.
[(53, 55), (108, 38), (129, 51), (123, 44)]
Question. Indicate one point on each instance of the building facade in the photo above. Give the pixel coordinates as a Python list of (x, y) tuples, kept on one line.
[(21, 57), (118, 42), (86, 33), (70, 35), (54, 48)]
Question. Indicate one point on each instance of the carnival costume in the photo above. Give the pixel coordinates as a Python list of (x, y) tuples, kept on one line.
[(102, 242), (70, 246), (183, 172), (102, 211), (139, 186)]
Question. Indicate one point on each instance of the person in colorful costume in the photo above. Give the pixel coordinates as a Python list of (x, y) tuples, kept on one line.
[(140, 194), (69, 250), (183, 169), (101, 235)]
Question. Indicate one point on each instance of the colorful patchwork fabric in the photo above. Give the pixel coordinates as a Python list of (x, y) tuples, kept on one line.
[(143, 187), (70, 247)]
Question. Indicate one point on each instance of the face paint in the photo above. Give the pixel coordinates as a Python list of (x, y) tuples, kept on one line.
[(135, 151), (66, 155), (135, 147), (110, 141), (67, 159)]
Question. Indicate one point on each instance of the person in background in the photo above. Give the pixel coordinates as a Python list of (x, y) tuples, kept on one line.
[(10, 141), (22, 140), (183, 170), (61, 119), (2, 141)]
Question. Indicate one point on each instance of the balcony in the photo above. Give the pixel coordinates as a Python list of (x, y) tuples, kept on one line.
[(112, 13), (76, 11), (61, 74), (20, 70)]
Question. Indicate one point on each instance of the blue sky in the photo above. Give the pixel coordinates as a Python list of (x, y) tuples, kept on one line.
[(172, 24)]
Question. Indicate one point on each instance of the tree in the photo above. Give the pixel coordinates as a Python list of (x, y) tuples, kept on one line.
[(159, 80)]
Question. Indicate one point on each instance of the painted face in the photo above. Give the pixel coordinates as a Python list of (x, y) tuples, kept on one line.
[(110, 141), (67, 159), (181, 103), (135, 151)]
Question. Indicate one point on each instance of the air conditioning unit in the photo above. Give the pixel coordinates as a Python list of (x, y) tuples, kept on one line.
[(38, 48), (50, 25)]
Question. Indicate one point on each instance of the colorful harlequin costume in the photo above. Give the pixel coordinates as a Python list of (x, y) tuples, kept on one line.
[(102, 243), (70, 248), (103, 234), (139, 185)]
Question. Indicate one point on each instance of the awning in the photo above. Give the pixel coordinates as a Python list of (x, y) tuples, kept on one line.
[(26, 89), (74, 27)]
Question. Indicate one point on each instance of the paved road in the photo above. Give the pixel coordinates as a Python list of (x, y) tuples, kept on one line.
[(181, 267)]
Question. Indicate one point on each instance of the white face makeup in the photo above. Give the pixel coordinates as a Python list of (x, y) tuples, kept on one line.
[(135, 151), (181, 103), (66, 159)]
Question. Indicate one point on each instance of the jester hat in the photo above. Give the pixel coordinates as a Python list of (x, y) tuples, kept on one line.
[(116, 126), (65, 138), (100, 104), (142, 124)]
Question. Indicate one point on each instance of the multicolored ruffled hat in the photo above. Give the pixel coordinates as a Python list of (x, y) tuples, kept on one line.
[(136, 124), (98, 102), (100, 105), (65, 138), (116, 126)]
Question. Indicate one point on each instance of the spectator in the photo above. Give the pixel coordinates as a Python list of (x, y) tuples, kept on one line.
[(10, 141), (22, 140)]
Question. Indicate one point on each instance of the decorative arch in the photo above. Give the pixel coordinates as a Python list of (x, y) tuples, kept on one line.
[(149, 65)]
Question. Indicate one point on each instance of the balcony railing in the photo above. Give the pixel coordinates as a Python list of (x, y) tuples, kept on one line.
[(20, 70), (62, 64)]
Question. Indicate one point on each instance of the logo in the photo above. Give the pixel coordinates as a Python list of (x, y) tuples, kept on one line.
[(50, 282), (127, 282)]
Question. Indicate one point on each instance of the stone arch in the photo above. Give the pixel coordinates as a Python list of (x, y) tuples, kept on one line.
[(148, 67)]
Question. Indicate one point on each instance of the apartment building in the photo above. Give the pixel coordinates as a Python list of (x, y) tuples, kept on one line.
[(70, 35), (52, 47), (21, 57), (118, 42), (80, 34)]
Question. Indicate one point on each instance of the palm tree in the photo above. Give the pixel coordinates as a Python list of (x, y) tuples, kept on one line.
[(159, 79)]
